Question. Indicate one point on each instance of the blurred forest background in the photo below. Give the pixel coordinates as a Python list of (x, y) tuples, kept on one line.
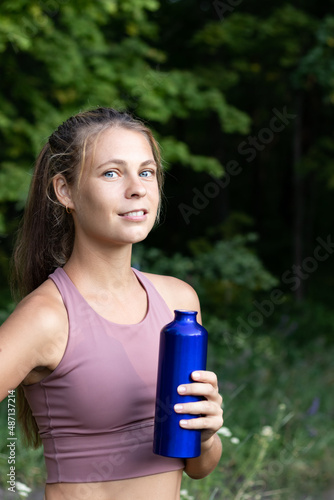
[(240, 95)]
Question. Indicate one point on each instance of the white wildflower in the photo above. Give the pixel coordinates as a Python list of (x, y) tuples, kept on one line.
[(224, 431), (185, 495), (282, 407), (22, 489), (235, 440), (267, 431)]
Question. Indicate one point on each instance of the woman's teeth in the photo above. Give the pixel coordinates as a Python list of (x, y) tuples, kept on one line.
[(135, 214)]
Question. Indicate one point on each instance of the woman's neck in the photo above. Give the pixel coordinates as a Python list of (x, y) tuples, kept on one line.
[(102, 268)]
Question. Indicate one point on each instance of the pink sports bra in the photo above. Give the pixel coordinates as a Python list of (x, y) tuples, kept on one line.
[(95, 411)]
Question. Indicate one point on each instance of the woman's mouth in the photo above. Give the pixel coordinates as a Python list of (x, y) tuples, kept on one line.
[(135, 215)]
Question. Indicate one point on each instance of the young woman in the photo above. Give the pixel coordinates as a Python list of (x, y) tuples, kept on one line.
[(82, 346)]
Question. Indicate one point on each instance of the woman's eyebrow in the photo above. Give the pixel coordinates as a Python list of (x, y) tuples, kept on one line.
[(122, 162)]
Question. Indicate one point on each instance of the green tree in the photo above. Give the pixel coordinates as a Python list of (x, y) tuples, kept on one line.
[(58, 57), (280, 59)]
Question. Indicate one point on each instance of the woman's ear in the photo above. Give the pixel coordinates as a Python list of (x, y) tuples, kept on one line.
[(63, 191)]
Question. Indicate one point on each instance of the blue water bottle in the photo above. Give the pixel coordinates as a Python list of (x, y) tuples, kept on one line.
[(183, 349)]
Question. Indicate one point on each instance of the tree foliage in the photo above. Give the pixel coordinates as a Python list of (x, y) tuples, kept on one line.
[(209, 80)]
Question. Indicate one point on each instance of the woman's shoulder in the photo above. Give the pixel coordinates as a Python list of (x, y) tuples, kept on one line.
[(34, 335), (44, 301), (177, 293), (41, 312)]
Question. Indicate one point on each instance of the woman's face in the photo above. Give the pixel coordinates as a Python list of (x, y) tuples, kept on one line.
[(118, 196)]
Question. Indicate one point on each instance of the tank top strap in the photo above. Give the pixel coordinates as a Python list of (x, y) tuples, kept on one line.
[(72, 298), (157, 304)]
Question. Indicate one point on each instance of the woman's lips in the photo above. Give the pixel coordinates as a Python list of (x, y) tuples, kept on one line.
[(136, 215)]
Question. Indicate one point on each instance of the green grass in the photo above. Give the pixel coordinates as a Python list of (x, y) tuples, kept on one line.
[(278, 407), (278, 403)]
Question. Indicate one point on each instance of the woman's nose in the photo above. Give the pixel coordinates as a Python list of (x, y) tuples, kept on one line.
[(135, 187)]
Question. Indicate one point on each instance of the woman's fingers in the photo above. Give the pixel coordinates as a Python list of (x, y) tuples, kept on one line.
[(202, 423), (197, 408), (205, 390), (209, 411), (205, 376)]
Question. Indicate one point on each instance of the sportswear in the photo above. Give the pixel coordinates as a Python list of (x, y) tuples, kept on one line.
[(95, 411)]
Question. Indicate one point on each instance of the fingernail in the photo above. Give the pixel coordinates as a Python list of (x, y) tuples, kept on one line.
[(178, 407), (181, 389), (184, 422), (196, 375)]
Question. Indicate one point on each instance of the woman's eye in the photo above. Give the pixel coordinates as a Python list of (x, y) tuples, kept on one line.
[(146, 173), (110, 174)]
